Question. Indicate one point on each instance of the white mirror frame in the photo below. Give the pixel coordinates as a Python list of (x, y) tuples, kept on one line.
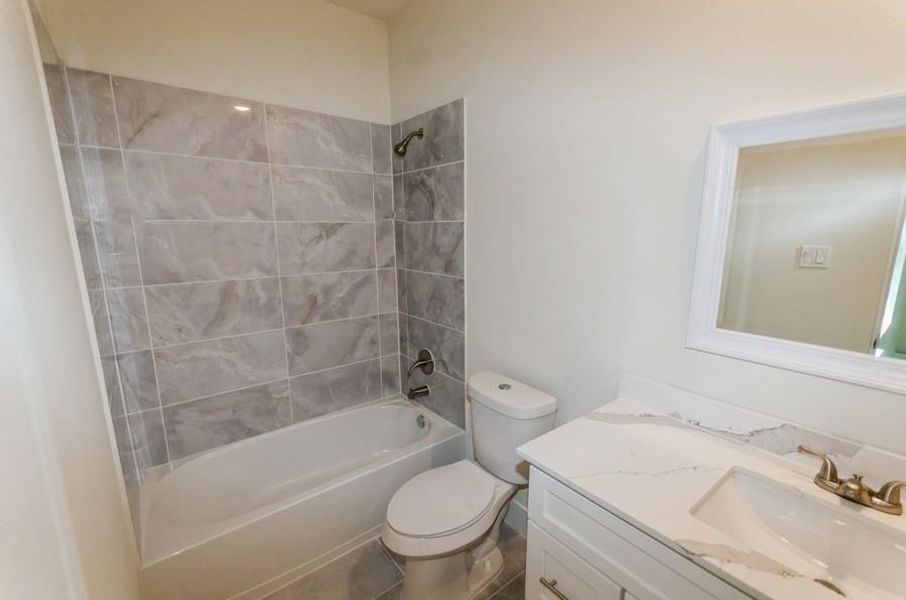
[(720, 178)]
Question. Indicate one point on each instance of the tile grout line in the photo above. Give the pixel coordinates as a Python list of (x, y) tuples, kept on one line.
[(251, 278), (225, 159), (138, 262), (247, 333), (377, 284), (418, 318), (97, 257), (270, 183), (269, 382), (506, 584)]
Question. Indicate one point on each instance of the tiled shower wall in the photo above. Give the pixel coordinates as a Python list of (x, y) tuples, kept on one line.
[(239, 259), (429, 194)]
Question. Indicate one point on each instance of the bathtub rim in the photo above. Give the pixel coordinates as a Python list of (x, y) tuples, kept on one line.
[(445, 431)]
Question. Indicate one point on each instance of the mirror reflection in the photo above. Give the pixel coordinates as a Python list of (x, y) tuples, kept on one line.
[(815, 249)]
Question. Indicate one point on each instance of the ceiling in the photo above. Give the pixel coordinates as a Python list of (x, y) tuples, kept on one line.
[(379, 9)]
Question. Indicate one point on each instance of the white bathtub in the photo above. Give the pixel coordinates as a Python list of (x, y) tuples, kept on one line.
[(246, 519)]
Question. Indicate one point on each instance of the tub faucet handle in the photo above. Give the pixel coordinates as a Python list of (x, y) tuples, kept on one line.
[(425, 362), (418, 392)]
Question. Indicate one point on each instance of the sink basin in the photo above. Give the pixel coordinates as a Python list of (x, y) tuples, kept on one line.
[(821, 540)]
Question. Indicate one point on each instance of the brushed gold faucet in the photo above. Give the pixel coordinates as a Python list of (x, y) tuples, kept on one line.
[(886, 499)]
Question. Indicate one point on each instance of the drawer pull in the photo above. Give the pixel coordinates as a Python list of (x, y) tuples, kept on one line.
[(552, 586)]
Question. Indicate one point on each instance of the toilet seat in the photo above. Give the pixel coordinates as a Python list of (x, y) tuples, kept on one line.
[(443, 510), (441, 501)]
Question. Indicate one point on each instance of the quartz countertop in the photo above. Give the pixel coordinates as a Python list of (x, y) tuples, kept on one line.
[(650, 469)]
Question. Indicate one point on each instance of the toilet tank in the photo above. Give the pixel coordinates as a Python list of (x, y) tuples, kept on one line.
[(505, 415)]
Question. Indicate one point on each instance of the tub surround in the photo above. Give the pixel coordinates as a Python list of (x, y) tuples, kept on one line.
[(200, 519), (650, 455), (429, 214), (239, 258)]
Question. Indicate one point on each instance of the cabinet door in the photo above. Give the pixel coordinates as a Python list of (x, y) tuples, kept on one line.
[(553, 569)]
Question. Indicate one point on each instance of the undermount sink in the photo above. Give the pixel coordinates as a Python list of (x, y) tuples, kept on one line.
[(829, 543)]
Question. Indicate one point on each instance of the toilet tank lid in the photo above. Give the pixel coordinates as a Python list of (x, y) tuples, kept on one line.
[(509, 397)]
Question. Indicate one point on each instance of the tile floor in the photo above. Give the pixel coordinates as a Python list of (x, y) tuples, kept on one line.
[(371, 573)]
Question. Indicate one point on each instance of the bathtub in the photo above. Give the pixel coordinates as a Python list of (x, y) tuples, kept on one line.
[(246, 519)]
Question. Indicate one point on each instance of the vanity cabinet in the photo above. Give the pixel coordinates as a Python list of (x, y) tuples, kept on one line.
[(580, 551)]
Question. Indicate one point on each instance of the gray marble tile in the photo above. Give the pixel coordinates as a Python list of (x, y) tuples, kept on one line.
[(447, 345), (404, 336), (390, 333), (127, 316), (304, 194), (395, 159), (182, 187), (399, 239), (399, 198), (116, 253), (205, 368), (320, 247), (148, 441), (383, 197), (435, 247), (182, 252), (387, 290), (512, 546), (390, 375), (438, 298), (435, 194), (92, 105), (514, 590), (329, 296), (443, 141), (181, 121), (75, 184), (325, 345), (124, 449), (112, 386), (99, 316), (201, 425), (189, 312), (394, 593), (335, 389), (447, 397), (385, 244), (59, 103), (380, 148), (88, 254), (362, 574), (105, 184), (301, 137), (138, 379), (401, 290)]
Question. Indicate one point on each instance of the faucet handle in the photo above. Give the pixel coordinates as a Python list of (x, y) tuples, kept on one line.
[(828, 470), (890, 492)]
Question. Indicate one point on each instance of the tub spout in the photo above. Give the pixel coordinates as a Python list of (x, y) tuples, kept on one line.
[(418, 392)]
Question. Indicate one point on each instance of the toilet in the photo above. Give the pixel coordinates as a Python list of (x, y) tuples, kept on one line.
[(446, 521)]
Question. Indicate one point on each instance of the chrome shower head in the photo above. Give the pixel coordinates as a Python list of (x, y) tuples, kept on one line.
[(400, 148)]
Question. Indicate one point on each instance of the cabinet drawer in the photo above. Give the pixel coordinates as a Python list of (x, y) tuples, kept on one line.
[(633, 560), (574, 578)]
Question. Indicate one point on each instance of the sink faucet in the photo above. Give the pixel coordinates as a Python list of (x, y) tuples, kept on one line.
[(886, 499)]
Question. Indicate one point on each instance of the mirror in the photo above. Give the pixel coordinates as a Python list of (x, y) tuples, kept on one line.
[(801, 254), (814, 252)]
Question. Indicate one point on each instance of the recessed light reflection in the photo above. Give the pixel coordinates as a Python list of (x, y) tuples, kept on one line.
[(242, 108)]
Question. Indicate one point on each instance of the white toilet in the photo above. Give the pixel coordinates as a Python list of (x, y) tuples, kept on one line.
[(446, 521)]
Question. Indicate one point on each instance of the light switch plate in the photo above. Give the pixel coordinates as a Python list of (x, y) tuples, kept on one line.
[(814, 257)]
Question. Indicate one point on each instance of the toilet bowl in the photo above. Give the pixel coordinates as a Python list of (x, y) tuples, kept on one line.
[(446, 521)]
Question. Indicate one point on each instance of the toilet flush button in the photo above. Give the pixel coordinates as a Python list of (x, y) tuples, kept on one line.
[(504, 386)]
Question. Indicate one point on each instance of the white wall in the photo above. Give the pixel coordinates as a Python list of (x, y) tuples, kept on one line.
[(65, 532), (843, 193), (586, 135), (300, 53)]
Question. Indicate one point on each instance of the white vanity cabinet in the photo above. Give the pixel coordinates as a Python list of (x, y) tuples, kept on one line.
[(580, 551)]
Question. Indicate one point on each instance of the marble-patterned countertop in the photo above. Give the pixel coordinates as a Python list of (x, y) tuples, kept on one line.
[(650, 469)]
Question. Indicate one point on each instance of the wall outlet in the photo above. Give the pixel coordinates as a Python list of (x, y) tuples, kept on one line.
[(814, 257)]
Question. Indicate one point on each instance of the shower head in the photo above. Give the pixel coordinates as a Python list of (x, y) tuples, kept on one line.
[(401, 147)]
